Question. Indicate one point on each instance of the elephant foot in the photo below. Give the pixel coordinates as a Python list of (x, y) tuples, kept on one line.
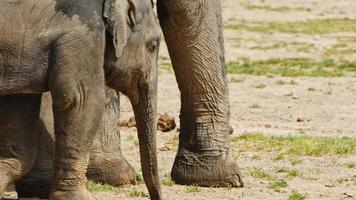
[(39, 187), (110, 168), (78, 194), (208, 171)]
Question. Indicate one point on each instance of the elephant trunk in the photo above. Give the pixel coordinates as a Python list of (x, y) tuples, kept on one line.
[(145, 114)]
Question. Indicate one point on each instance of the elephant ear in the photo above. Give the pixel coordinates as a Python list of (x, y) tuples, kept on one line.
[(120, 21)]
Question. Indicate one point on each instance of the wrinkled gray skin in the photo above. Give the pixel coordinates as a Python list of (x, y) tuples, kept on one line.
[(106, 162), (60, 46), (194, 35)]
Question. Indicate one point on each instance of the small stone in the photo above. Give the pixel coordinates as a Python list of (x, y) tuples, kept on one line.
[(231, 129), (268, 126), (300, 119), (347, 195)]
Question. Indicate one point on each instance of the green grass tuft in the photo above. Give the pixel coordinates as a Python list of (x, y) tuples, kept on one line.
[(165, 64), (295, 195), (167, 181), (351, 165), (294, 173), (258, 173), (99, 187), (275, 185), (139, 178), (296, 162), (133, 192), (134, 140), (193, 189), (260, 86), (292, 67), (312, 26), (249, 6), (299, 145)]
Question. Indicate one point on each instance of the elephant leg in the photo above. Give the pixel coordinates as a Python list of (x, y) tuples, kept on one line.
[(193, 33), (19, 116), (37, 182), (78, 95), (107, 164)]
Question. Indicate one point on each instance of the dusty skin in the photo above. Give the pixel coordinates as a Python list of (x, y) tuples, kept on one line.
[(314, 106)]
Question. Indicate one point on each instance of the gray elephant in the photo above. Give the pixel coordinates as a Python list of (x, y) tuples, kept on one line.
[(193, 31), (72, 49)]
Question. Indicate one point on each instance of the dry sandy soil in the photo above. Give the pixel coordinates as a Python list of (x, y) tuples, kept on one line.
[(309, 105)]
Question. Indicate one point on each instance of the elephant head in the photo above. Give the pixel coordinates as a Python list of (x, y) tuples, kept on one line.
[(132, 41)]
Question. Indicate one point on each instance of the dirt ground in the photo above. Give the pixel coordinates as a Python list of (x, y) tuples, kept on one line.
[(314, 106)]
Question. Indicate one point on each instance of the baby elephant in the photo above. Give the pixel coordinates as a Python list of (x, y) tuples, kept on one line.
[(73, 49)]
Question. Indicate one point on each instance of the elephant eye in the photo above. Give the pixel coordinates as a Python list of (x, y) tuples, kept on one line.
[(152, 46)]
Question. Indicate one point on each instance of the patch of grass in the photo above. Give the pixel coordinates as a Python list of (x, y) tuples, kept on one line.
[(339, 50), (278, 157), (291, 173), (139, 178), (292, 67), (99, 187), (294, 173), (341, 180), (295, 195), (312, 26), (167, 181), (296, 162), (262, 45), (134, 140), (165, 64), (256, 157), (258, 173), (275, 185), (249, 6), (174, 142), (193, 189), (296, 145), (130, 138), (277, 45), (347, 39), (133, 192), (260, 86), (351, 165)]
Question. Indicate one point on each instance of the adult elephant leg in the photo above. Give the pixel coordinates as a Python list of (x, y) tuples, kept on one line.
[(106, 162), (19, 115), (193, 32)]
